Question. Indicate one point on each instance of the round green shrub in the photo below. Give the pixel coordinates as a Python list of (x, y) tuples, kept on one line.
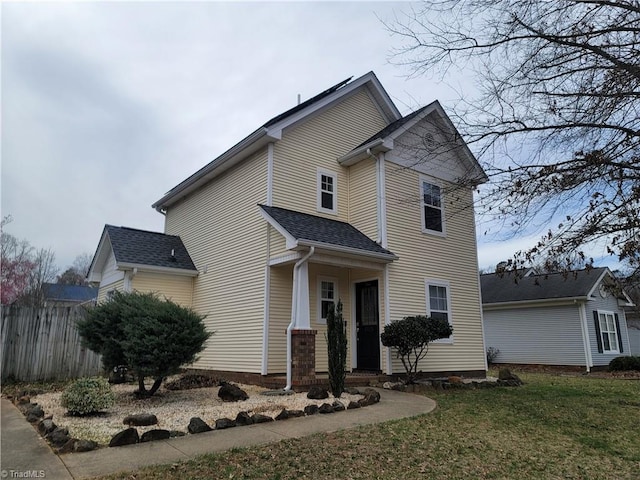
[(86, 396), (625, 363)]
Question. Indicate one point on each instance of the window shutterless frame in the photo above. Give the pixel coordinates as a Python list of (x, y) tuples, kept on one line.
[(432, 207), (438, 299), (327, 191)]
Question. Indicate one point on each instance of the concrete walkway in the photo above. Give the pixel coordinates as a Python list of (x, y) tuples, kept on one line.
[(393, 405), (25, 454)]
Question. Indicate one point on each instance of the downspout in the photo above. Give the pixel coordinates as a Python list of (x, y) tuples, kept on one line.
[(294, 308)]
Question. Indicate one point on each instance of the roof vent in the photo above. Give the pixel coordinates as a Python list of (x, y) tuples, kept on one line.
[(173, 254)]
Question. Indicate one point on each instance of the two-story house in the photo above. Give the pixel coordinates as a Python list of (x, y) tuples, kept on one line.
[(340, 197)]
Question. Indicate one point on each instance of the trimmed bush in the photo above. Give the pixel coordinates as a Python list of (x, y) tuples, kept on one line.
[(410, 337), (625, 363), (153, 337), (88, 396)]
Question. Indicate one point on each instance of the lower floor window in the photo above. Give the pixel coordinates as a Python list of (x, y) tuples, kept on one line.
[(608, 332), (327, 296), (438, 301)]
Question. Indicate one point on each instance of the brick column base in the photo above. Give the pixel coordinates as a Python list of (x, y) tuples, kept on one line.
[(303, 357)]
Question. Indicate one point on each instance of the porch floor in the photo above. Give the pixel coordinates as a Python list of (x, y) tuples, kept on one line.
[(356, 379)]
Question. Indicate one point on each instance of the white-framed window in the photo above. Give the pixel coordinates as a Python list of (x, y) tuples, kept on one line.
[(439, 302), (608, 332), (327, 297), (432, 210), (110, 294), (327, 191)]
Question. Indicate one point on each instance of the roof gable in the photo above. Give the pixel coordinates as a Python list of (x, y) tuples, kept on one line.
[(302, 229), (272, 130), (405, 140), (509, 287), (135, 248)]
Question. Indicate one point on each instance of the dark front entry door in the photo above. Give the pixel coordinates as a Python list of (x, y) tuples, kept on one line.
[(367, 326)]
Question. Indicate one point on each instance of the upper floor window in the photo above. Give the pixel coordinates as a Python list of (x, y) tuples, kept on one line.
[(608, 332), (432, 214), (438, 301), (327, 191)]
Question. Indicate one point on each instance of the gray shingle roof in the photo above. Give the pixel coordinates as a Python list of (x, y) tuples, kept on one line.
[(148, 248), (303, 226), (497, 288), (392, 127)]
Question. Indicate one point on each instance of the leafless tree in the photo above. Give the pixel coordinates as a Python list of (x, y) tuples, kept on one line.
[(556, 122)]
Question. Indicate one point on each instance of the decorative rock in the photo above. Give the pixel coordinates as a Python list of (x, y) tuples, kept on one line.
[(118, 374), (283, 415), (243, 418), (223, 423), (231, 393), (140, 420), (46, 426), (153, 435), (352, 391), (371, 396), (176, 433), (295, 413), (197, 425), (455, 379), (260, 418), (68, 447), (326, 408), (25, 399), (58, 437), (353, 405), (338, 406), (34, 413), (317, 393), (85, 446), (125, 437), (311, 409)]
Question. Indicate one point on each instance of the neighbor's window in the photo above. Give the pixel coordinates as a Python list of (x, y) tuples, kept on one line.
[(608, 332), (431, 207), (327, 298), (438, 302), (327, 188)]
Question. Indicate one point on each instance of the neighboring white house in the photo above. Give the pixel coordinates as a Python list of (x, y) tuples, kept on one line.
[(556, 319)]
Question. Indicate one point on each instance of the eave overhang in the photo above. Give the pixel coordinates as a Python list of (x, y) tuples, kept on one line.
[(140, 267)]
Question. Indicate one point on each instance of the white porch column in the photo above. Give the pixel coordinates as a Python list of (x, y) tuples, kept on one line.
[(301, 286)]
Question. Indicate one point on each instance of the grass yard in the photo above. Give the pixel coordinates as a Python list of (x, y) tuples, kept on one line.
[(563, 427)]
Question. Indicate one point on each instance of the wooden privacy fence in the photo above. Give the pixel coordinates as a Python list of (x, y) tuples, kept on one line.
[(44, 344)]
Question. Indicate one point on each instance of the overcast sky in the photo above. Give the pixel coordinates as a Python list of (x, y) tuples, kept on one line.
[(106, 106)]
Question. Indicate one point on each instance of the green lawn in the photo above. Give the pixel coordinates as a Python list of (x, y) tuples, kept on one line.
[(552, 427)]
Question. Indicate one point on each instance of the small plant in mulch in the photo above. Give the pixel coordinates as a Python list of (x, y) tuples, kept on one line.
[(190, 381), (87, 396)]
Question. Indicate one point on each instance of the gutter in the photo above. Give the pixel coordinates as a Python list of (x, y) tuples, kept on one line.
[(292, 325), (385, 257), (208, 171)]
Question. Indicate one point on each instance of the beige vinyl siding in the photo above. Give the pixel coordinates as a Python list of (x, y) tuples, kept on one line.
[(281, 279), (318, 142), (221, 226), (277, 243), (363, 197), (104, 289), (176, 288), (452, 258), (341, 276)]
